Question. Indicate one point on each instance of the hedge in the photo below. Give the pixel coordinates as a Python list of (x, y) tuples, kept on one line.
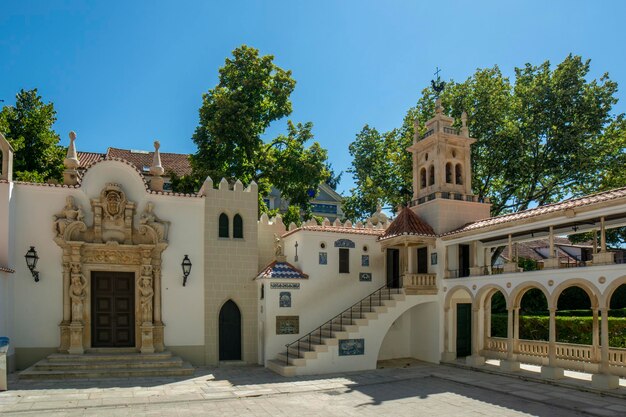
[(568, 329)]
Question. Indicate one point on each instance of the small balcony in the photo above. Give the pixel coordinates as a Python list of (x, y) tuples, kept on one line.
[(419, 284)]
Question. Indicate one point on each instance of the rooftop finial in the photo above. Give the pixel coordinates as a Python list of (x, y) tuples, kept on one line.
[(71, 159), (437, 84), (464, 129), (156, 168)]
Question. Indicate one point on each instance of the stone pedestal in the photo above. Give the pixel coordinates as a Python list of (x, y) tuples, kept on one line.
[(475, 360), (76, 339), (147, 338), (448, 356), (158, 337), (603, 258), (551, 372), (510, 267), (604, 381), (156, 183), (65, 337), (509, 365), (551, 263), (70, 177)]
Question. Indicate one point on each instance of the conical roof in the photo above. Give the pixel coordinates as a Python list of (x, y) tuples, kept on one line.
[(408, 223)]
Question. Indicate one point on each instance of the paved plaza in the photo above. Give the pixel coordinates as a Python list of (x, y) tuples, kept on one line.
[(403, 388)]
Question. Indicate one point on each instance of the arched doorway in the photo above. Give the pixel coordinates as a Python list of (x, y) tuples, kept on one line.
[(230, 332)]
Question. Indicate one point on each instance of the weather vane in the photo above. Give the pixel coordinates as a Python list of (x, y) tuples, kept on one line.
[(437, 84)]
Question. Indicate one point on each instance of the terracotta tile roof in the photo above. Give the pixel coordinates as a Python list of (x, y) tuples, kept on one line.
[(88, 158), (548, 208), (408, 223), (177, 163), (282, 270), (338, 229)]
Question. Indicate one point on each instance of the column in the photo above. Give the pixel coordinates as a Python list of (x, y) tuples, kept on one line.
[(475, 359), (604, 380), (510, 364), (67, 312), (475, 270), (510, 266), (551, 371), (412, 269), (603, 257), (446, 356), (553, 260), (602, 235), (595, 336)]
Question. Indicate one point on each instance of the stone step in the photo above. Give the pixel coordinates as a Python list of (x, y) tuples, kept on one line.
[(46, 365), (280, 368), (302, 353), (106, 356), (184, 370), (293, 360)]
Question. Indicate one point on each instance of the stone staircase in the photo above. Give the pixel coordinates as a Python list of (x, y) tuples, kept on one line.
[(318, 344), (108, 363)]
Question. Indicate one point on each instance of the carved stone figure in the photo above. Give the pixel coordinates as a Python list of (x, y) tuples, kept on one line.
[(146, 293), (77, 296), (278, 247), (148, 218), (70, 213), (379, 217)]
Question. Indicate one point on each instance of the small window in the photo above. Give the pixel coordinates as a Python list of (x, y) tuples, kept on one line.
[(262, 291), (344, 261), (431, 177), (237, 227), (223, 225)]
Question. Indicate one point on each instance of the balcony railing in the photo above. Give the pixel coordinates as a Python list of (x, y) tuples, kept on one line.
[(449, 196), (417, 284)]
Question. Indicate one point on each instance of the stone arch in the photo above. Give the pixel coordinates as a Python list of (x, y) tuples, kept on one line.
[(431, 175), (449, 173), (423, 178), (458, 174), (518, 292), (605, 299), (223, 225), (486, 292), (592, 291), (238, 226), (453, 290)]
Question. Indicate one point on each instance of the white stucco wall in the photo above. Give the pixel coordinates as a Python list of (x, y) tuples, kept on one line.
[(327, 292)]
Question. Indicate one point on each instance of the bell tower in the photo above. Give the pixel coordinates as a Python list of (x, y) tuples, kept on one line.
[(442, 173)]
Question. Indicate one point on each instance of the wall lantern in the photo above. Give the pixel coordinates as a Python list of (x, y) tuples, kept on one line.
[(186, 268), (31, 262)]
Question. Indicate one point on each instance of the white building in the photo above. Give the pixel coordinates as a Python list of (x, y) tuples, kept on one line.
[(314, 299)]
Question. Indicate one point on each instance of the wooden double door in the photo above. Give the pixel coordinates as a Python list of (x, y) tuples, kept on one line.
[(112, 309)]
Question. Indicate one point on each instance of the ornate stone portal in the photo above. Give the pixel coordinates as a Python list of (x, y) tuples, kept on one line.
[(112, 243)]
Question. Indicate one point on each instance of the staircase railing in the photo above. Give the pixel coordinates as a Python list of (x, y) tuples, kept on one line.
[(376, 295)]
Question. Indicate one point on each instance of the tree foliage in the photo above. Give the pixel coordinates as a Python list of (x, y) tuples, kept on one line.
[(28, 128), (548, 135), (253, 92)]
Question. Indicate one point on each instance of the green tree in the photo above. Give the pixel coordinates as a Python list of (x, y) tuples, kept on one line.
[(252, 92), (539, 140), (28, 127)]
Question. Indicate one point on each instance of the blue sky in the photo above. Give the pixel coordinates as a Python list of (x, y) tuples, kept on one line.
[(122, 74)]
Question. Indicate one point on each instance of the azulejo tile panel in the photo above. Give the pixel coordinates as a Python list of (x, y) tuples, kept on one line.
[(287, 324), (323, 258), (351, 347), (365, 260), (365, 276), (285, 285), (344, 243), (284, 299)]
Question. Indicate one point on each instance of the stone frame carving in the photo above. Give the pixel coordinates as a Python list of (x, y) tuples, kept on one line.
[(112, 243)]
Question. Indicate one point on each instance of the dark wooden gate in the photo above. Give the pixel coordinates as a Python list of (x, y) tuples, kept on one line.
[(230, 332), (393, 268), (422, 260), (463, 330), (112, 309)]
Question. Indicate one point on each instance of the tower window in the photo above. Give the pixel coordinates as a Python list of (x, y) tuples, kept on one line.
[(449, 173), (431, 179), (223, 225), (423, 178), (237, 227), (459, 174)]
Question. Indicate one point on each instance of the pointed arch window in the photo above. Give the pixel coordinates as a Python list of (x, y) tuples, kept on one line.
[(431, 176), (223, 225), (423, 178), (237, 227), (449, 173), (459, 174)]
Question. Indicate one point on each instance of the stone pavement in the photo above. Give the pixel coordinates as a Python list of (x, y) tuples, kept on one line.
[(407, 388)]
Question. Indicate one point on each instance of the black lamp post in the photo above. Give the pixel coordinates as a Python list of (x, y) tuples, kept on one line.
[(31, 261), (186, 268)]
